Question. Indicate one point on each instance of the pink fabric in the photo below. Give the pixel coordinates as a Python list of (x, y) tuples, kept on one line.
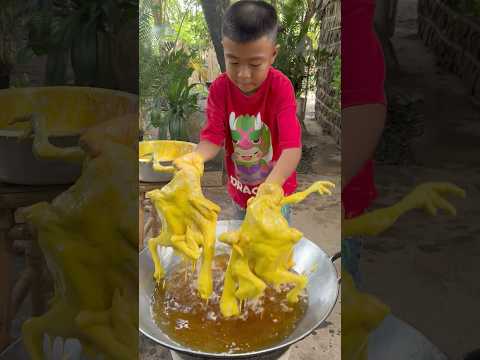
[(363, 76), (250, 160)]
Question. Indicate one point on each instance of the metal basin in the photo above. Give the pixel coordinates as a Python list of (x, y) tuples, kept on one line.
[(396, 340), (68, 111), (322, 290), (166, 151)]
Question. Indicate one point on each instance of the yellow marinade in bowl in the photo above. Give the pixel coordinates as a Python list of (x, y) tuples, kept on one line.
[(165, 150)]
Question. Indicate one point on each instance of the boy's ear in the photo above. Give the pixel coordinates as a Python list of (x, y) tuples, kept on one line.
[(276, 49)]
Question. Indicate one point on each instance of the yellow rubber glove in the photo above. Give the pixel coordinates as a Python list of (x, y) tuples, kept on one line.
[(262, 248), (188, 220)]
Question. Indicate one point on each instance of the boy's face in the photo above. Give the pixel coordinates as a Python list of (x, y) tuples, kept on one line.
[(248, 63)]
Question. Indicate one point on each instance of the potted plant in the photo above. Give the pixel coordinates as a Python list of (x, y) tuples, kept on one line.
[(167, 93)]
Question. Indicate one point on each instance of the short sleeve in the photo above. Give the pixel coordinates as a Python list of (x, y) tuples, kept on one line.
[(363, 68), (289, 130), (215, 129)]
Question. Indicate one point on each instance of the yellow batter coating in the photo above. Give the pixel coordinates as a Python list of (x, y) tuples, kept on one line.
[(188, 220), (262, 248)]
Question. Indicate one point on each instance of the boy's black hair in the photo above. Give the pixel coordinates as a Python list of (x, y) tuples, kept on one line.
[(249, 20)]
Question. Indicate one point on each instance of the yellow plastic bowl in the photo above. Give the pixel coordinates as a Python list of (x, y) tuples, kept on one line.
[(68, 109), (166, 151)]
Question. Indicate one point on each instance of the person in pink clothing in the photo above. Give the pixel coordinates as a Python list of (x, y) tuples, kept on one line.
[(363, 116), (251, 108)]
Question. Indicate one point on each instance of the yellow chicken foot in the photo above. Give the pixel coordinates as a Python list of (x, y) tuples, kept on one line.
[(159, 167), (322, 187), (42, 148), (426, 196), (117, 344), (159, 272)]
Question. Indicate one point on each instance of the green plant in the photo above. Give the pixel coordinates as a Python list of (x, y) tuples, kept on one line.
[(80, 29), (166, 66), (296, 38), (468, 7), (13, 15), (336, 83), (180, 99)]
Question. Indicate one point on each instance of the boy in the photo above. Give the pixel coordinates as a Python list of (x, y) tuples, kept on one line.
[(363, 116), (251, 109)]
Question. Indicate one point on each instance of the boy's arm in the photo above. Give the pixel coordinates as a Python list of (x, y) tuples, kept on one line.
[(285, 166), (207, 150), (213, 134), (362, 128), (363, 95)]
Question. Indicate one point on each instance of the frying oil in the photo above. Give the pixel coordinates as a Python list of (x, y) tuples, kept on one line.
[(197, 324)]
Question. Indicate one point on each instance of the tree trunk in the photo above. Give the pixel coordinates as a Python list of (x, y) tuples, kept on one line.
[(4, 81), (213, 11)]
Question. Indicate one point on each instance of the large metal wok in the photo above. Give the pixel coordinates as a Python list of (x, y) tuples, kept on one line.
[(68, 111), (323, 289)]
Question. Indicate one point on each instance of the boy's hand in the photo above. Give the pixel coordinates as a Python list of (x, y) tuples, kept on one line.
[(269, 189), (191, 159)]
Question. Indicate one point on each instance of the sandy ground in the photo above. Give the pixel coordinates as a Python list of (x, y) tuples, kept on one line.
[(427, 268), (319, 219)]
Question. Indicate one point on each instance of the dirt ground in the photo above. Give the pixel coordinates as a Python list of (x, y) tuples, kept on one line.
[(319, 219), (427, 268)]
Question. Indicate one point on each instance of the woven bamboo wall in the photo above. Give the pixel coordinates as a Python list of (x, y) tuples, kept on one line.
[(326, 109), (454, 39)]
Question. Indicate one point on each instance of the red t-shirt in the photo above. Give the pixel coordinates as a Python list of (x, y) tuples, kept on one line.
[(363, 76), (254, 129)]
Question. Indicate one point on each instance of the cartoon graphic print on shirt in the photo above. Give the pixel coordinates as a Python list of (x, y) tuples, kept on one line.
[(252, 148)]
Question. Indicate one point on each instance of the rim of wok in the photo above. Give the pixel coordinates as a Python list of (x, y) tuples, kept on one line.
[(271, 349), (33, 90)]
